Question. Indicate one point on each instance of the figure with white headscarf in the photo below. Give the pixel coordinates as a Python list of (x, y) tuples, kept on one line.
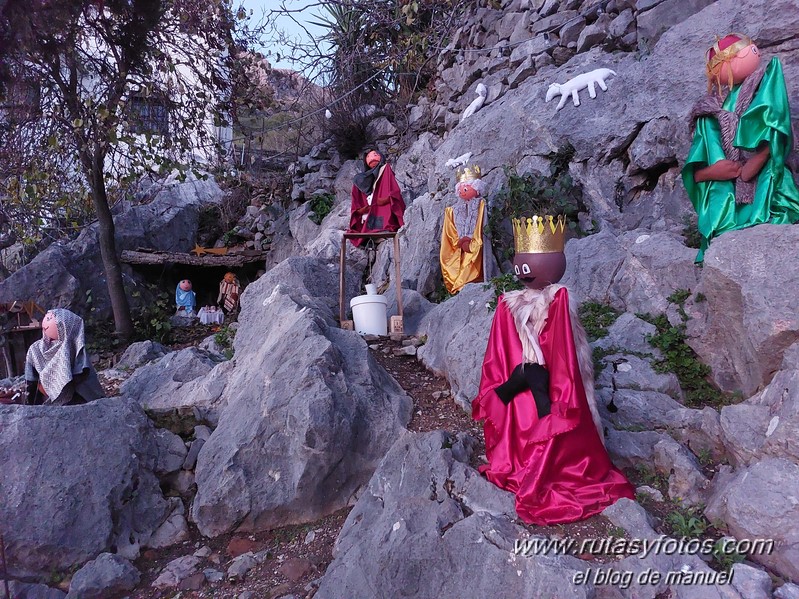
[(57, 367)]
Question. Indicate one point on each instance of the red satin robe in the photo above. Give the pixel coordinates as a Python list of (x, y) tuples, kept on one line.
[(556, 466), (380, 218)]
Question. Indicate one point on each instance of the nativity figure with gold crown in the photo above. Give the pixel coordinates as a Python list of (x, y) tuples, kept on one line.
[(543, 434), (736, 172), (463, 240)]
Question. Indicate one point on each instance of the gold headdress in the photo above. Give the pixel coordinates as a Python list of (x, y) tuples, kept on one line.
[(467, 173), (539, 234), (716, 57)]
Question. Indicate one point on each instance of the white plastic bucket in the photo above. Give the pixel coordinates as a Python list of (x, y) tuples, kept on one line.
[(369, 314)]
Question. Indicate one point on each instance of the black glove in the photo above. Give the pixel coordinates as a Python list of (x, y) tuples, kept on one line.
[(538, 380), (34, 396), (515, 384)]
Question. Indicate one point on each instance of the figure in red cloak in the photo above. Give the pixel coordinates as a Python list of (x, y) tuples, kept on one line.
[(543, 435), (377, 203)]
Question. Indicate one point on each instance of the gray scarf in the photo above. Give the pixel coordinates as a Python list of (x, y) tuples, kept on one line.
[(465, 216)]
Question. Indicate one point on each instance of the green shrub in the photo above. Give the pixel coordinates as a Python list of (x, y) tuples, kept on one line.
[(224, 339), (151, 319), (535, 193), (679, 358), (687, 522), (596, 319), (321, 205), (501, 284)]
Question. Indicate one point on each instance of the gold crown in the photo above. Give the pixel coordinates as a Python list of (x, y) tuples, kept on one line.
[(539, 234), (467, 173)]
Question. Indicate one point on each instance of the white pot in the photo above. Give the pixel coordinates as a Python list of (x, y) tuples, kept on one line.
[(369, 314)]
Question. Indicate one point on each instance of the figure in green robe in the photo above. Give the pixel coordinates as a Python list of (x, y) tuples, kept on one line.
[(735, 173)]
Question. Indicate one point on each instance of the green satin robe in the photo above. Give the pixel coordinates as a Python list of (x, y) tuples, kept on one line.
[(776, 196)]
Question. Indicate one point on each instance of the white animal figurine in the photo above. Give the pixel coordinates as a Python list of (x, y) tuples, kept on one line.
[(477, 103), (459, 161), (575, 84)]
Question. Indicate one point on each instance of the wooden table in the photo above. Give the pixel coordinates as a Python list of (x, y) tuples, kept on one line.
[(396, 328)]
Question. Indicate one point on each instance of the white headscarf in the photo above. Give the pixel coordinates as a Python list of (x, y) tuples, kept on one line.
[(57, 361)]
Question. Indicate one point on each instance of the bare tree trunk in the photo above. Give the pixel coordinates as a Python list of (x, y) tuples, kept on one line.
[(108, 251)]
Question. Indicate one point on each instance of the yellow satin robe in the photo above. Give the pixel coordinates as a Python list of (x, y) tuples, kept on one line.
[(459, 267)]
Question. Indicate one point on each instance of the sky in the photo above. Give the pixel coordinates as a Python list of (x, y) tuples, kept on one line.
[(309, 9)]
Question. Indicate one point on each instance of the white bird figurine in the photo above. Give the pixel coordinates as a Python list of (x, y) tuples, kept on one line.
[(575, 84), (459, 161), (477, 103)]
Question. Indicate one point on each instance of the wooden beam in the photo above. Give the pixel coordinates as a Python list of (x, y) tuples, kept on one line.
[(159, 258)]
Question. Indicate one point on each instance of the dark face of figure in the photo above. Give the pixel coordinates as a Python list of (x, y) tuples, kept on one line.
[(536, 271), (373, 159)]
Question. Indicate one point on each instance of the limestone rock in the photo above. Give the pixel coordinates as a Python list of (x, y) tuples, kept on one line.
[(749, 318), (635, 271), (759, 502), (51, 526), (176, 571), (457, 352), (159, 385), (687, 484), (104, 576), (140, 353), (409, 526), (309, 413), (420, 244)]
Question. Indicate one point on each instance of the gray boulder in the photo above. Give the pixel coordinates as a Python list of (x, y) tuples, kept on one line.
[(309, 412), (457, 335), (160, 386), (766, 425), (629, 334), (634, 271), (759, 502), (414, 308), (628, 449), (413, 166), (750, 316), (687, 484), (69, 491), (23, 590), (410, 530), (631, 372), (139, 353), (104, 576)]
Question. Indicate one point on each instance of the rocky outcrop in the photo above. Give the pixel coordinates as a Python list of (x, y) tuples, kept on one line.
[(161, 387), (457, 335), (421, 511), (749, 317), (766, 425), (634, 271), (309, 412), (65, 500), (759, 502), (105, 576)]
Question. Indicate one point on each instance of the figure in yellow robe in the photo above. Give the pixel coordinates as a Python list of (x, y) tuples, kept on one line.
[(462, 239)]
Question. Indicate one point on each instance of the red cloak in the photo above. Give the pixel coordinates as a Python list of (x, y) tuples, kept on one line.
[(556, 466), (379, 218)]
